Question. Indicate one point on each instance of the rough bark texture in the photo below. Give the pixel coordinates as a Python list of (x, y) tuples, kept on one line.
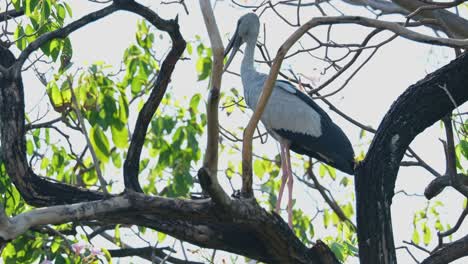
[(450, 22), (34, 189), (420, 106)]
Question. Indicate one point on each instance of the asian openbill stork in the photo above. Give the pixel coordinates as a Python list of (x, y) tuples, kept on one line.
[(290, 116)]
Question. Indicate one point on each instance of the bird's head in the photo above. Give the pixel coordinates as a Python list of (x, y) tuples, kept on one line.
[(246, 31)]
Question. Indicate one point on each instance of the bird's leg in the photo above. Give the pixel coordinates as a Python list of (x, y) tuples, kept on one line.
[(290, 186), (284, 168)]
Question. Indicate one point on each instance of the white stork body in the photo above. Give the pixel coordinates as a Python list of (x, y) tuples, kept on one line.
[(290, 116)]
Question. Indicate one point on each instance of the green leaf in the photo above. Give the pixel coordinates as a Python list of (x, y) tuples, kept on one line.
[(29, 147), (464, 148), (117, 235), (116, 160), (45, 9), (161, 237), (90, 177), (55, 245), (119, 134), (326, 218), (123, 108), (189, 48), (259, 169), (100, 143), (194, 102), (54, 95), (426, 234), (44, 163), (69, 10), (415, 237), (17, 4), (30, 6), (107, 255), (338, 250), (362, 134), (61, 12), (203, 67), (322, 170), (19, 35), (54, 48)]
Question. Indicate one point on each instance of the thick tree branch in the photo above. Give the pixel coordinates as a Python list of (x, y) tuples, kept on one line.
[(437, 185), (449, 252), (249, 230), (421, 105), (35, 190), (7, 15), (454, 24), (11, 228)]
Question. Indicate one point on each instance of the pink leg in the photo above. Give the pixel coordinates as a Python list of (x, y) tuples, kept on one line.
[(290, 187), (284, 168)]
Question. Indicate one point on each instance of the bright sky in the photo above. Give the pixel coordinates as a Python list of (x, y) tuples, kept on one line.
[(366, 98)]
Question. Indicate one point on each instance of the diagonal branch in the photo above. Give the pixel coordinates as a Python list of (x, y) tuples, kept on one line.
[(9, 14)]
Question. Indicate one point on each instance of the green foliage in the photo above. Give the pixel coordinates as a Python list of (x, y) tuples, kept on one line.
[(204, 62), (44, 16), (425, 221), (174, 141)]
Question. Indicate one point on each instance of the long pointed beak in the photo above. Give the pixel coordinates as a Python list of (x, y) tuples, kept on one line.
[(233, 45)]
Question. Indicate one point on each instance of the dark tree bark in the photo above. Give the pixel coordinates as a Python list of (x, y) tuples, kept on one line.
[(420, 106)]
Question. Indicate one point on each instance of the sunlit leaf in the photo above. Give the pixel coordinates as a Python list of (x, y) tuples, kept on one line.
[(100, 143)]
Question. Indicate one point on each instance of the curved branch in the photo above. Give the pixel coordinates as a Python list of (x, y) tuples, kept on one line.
[(421, 105), (132, 161)]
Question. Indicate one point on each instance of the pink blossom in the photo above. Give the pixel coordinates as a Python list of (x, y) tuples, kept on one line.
[(96, 251), (78, 247)]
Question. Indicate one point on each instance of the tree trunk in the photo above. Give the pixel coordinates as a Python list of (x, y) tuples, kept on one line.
[(420, 106)]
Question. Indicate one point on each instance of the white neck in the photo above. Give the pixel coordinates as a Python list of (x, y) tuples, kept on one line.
[(248, 60)]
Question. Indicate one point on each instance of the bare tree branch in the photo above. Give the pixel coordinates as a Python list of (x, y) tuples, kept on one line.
[(208, 177)]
